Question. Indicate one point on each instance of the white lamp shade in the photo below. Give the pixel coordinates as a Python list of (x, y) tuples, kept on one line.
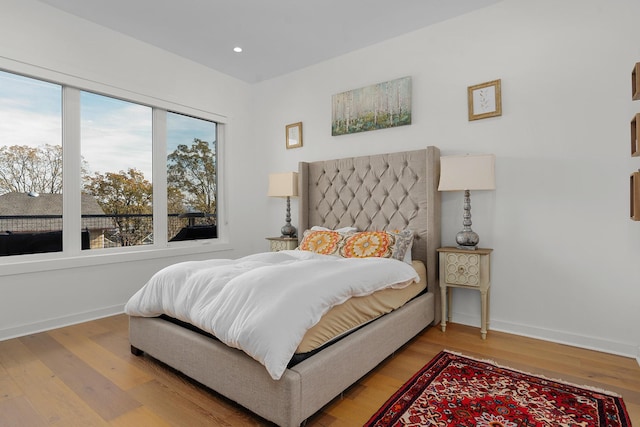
[(467, 172), (283, 184)]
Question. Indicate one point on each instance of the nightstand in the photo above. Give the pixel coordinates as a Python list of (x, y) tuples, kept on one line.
[(282, 243), (469, 269)]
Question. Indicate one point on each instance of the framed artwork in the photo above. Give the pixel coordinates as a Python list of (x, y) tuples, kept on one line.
[(635, 82), (635, 136), (294, 135), (379, 106), (635, 196), (485, 100)]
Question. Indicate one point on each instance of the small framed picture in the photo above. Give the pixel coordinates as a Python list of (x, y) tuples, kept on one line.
[(485, 100), (294, 135), (635, 136), (635, 82), (635, 196)]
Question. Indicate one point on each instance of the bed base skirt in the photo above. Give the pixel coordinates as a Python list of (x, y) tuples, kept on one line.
[(304, 388)]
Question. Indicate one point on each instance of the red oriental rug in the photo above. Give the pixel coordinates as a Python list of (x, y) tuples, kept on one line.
[(453, 390)]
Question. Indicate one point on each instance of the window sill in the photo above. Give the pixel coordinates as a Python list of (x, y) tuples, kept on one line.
[(21, 264)]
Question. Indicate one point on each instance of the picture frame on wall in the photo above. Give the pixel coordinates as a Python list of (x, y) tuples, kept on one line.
[(294, 135), (485, 100), (635, 196), (378, 106), (635, 82), (635, 136)]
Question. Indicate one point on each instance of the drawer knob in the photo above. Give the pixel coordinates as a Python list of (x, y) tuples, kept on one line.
[(461, 269)]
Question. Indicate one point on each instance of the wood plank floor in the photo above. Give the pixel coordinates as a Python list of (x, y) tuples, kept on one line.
[(84, 375)]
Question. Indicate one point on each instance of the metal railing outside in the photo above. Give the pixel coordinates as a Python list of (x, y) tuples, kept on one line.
[(105, 231)]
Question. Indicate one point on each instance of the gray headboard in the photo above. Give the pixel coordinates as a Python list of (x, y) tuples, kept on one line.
[(379, 192)]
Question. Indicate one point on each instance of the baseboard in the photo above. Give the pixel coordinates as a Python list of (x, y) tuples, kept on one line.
[(47, 325), (557, 336)]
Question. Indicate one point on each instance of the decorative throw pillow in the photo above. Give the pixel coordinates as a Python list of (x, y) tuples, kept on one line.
[(383, 244), (408, 255), (321, 242)]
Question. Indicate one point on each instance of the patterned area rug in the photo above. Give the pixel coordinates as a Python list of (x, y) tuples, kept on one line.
[(453, 390)]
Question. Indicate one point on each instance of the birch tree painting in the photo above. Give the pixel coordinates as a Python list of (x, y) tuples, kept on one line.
[(378, 106)]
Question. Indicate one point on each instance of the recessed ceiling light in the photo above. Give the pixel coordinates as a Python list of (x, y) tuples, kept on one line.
[(237, 49)]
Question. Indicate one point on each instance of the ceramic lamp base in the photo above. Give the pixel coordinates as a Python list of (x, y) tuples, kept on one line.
[(467, 239)]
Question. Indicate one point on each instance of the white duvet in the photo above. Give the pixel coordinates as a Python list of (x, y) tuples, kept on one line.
[(263, 304)]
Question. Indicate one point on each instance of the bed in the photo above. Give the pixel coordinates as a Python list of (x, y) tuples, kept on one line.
[(393, 191)]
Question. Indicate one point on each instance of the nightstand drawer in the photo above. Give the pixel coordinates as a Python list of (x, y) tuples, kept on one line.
[(462, 269), (282, 243)]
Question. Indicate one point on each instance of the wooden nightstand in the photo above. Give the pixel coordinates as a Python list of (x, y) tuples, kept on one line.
[(282, 243), (462, 268)]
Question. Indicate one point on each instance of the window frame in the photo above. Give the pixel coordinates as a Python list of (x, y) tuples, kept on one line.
[(71, 255)]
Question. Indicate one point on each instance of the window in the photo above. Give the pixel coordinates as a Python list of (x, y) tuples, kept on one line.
[(30, 165), (111, 142), (117, 193), (191, 178)]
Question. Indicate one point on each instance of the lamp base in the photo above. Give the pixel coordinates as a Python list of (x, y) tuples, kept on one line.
[(467, 239), (288, 230)]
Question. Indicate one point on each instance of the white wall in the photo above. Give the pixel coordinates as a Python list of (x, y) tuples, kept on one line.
[(566, 261), (35, 38)]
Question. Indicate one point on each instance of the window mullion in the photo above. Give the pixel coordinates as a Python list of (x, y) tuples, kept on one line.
[(71, 160), (159, 175), (221, 193)]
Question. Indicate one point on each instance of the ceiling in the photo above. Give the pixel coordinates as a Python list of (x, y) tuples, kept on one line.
[(277, 36)]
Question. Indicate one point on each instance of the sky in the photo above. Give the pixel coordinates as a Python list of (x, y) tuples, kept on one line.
[(115, 134)]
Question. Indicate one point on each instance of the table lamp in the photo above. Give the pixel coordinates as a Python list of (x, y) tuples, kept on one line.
[(284, 185), (465, 173)]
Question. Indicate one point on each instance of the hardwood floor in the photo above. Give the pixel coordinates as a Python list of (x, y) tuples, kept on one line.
[(85, 375)]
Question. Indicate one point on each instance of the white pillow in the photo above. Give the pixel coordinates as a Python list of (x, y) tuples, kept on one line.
[(339, 230)]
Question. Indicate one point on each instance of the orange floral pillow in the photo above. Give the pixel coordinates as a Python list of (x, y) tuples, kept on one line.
[(382, 244), (367, 244), (321, 242)]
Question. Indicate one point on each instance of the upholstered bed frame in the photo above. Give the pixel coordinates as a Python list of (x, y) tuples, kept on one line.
[(386, 191)]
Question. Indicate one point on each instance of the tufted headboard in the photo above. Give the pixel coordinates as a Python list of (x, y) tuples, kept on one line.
[(379, 192)]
